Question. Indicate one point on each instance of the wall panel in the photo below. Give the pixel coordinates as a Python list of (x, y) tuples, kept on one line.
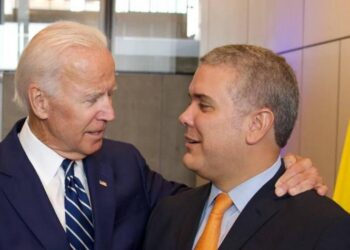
[(138, 104), (325, 20), (295, 61), (270, 24), (319, 112), (223, 22), (10, 111), (344, 98), (174, 101)]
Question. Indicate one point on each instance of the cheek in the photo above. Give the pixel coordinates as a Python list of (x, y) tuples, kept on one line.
[(77, 116), (62, 113), (68, 123), (220, 137), (211, 129)]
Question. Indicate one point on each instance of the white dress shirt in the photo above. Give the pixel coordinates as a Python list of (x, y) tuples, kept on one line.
[(240, 196), (47, 164)]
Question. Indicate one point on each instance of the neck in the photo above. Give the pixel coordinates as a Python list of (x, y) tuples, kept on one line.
[(37, 127), (251, 164)]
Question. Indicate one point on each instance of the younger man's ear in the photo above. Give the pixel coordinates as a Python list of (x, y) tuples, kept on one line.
[(260, 123), (38, 101)]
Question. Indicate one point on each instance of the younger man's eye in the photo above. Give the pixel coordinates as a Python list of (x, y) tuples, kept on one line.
[(204, 106)]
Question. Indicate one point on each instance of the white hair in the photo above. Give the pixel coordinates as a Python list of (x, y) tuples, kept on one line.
[(41, 61)]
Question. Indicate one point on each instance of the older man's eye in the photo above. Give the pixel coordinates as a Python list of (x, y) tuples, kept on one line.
[(91, 100)]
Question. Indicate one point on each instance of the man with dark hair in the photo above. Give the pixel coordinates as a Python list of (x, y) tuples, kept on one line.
[(244, 103)]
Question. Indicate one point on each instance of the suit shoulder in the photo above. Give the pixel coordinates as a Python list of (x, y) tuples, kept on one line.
[(184, 198), (112, 145), (112, 148), (119, 153), (310, 203), (323, 215)]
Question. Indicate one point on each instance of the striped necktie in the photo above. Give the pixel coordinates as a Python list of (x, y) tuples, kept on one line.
[(79, 222)]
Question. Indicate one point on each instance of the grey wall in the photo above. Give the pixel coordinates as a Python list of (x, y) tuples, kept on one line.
[(10, 112), (147, 107)]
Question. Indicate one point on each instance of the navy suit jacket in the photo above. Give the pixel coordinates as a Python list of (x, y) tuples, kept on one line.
[(120, 209), (307, 221)]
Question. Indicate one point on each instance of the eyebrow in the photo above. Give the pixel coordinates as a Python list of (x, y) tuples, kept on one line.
[(94, 95), (99, 94), (201, 97)]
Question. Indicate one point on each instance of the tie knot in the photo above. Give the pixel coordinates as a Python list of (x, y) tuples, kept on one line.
[(222, 203), (67, 166)]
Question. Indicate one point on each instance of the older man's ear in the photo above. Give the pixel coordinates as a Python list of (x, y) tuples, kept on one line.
[(38, 101)]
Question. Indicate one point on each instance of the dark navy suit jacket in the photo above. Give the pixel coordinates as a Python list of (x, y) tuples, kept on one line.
[(120, 209), (306, 221)]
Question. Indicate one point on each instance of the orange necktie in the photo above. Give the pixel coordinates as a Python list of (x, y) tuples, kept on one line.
[(210, 236)]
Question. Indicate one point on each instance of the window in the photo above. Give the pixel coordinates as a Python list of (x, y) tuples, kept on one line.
[(147, 35)]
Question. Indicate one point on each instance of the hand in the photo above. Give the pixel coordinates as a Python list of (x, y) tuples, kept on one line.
[(299, 177)]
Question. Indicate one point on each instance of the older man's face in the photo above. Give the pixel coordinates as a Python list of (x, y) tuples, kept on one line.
[(79, 112)]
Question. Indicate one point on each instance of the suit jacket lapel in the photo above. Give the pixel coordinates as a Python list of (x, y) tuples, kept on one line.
[(24, 190), (101, 187), (192, 217), (261, 208)]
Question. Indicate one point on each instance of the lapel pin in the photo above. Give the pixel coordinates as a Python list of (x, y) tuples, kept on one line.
[(103, 183)]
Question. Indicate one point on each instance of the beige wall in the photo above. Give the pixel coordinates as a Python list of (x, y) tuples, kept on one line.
[(314, 36)]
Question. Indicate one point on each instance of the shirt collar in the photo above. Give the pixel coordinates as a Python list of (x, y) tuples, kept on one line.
[(45, 161), (242, 194)]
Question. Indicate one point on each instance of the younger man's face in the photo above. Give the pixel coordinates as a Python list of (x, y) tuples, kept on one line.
[(214, 136)]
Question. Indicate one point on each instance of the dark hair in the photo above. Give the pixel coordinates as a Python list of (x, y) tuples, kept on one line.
[(263, 79)]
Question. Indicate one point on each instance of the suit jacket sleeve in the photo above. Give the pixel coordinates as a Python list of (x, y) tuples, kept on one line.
[(154, 185), (136, 190)]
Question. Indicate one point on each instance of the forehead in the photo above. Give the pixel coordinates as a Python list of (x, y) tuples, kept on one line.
[(87, 72), (212, 78), (87, 62), (89, 67)]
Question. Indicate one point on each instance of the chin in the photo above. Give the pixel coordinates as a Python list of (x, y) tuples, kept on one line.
[(190, 163), (196, 166), (93, 148)]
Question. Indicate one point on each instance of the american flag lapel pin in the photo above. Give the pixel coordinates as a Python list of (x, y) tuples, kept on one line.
[(103, 183)]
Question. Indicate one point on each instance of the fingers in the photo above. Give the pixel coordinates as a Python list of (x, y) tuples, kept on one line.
[(302, 183), (299, 183), (281, 189), (299, 177), (311, 182), (322, 190), (298, 167), (289, 160)]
